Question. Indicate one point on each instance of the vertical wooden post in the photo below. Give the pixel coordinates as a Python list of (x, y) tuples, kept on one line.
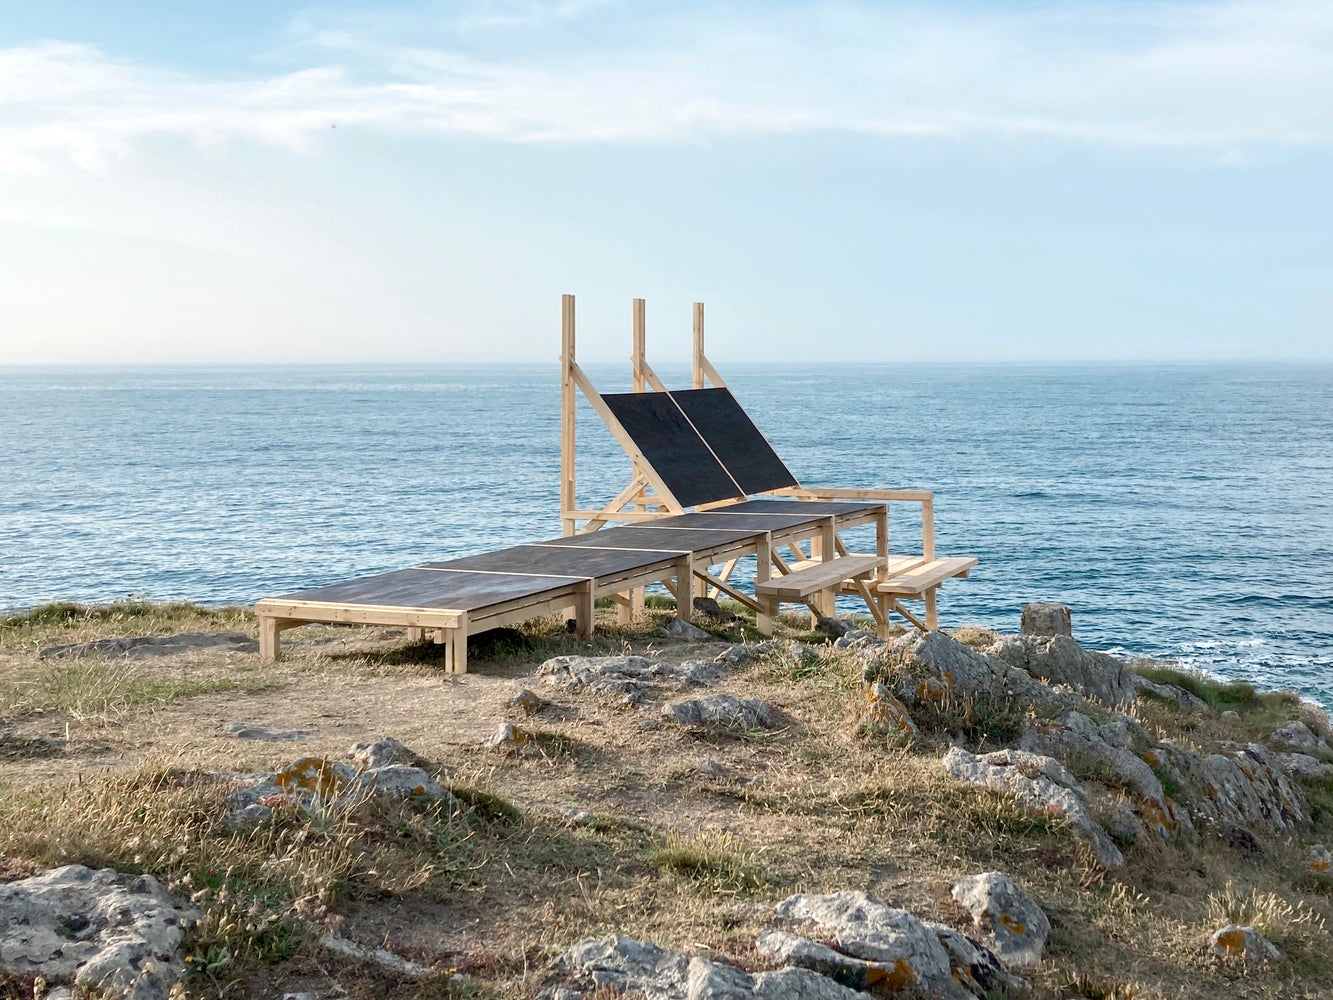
[(932, 619), (640, 344), (697, 379), (684, 578), (455, 647), (270, 647), (763, 564), (568, 399), (584, 611), (928, 528)]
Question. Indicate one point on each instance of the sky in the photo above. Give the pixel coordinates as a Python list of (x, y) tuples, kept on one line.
[(257, 181)]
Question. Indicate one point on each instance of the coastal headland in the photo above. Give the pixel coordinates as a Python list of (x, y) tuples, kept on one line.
[(658, 811)]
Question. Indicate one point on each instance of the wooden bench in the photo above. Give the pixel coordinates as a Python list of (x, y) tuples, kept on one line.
[(815, 582), (921, 582)]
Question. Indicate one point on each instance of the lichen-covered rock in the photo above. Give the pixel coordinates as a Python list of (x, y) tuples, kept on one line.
[(941, 667), (1042, 618), (886, 712), (1041, 785), (382, 752), (623, 963), (792, 949), (507, 736), (1319, 859), (909, 958), (794, 983), (1076, 737), (528, 700), (1297, 736), (734, 656), (974, 966), (1237, 785), (1243, 944), (1184, 701), (722, 710), (319, 782), (99, 928), (1015, 927), (1060, 660), (1302, 765)]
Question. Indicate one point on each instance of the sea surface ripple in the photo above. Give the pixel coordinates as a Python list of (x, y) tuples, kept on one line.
[(1182, 511)]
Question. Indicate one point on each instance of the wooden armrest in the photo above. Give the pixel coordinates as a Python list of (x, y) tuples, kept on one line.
[(844, 493)]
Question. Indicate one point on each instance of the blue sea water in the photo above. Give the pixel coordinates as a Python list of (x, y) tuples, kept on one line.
[(1181, 511)]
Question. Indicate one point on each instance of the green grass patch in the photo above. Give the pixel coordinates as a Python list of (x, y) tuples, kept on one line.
[(87, 688), (144, 615), (712, 863)]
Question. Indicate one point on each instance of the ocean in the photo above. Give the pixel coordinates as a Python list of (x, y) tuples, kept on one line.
[(1181, 511)]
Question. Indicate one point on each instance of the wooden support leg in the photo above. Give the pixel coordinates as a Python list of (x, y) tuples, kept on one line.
[(763, 567), (686, 585), (624, 609), (638, 597), (583, 613), (882, 540), (932, 619), (455, 648), (416, 634), (270, 646)]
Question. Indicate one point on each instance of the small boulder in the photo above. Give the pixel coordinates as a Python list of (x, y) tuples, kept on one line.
[(528, 700), (1296, 736), (507, 736), (1040, 618), (1319, 859), (733, 656), (677, 629), (713, 611), (396, 781), (884, 712), (1015, 927), (1041, 785), (1235, 943), (98, 928), (1060, 660), (835, 627), (1185, 702), (246, 731), (721, 710), (382, 752), (1302, 765)]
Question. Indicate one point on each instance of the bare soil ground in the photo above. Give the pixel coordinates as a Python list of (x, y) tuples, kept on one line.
[(689, 834)]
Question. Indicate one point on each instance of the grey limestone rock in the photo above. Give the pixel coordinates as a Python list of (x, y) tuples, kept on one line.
[(1243, 944), (836, 627), (1302, 765), (677, 629), (1041, 618), (722, 710), (136, 646), (734, 656), (1041, 785), (1297, 736), (865, 928), (95, 927), (382, 752), (1014, 927), (528, 700), (1183, 700), (942, 666), (1060, 660), (623, 963)]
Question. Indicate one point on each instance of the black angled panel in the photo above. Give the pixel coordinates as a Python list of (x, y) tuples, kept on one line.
[(734, 438), (672, 447)]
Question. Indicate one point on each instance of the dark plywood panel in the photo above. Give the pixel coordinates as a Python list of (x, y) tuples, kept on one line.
[(749, 522), (661, 539), (673, 447), (735, 440), (838, 508), (431, 588), (553, 560)]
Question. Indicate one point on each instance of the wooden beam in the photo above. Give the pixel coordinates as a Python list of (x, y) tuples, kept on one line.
[(697, 366), (568, 400)]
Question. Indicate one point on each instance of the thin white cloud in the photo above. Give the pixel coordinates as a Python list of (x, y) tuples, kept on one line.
[(1224, 76)]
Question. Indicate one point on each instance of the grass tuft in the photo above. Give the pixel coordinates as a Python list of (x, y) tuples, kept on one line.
[(714, 863)]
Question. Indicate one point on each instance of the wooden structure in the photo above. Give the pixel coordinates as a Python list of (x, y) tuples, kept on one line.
[(692, 448), (698, 448)]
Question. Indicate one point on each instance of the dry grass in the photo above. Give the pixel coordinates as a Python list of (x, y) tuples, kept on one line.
[(674, 852)]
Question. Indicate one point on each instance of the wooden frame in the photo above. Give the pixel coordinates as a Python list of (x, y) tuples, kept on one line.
[(645, 497)]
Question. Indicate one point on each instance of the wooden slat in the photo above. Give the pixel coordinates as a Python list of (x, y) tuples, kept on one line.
[(926, 576), (820, 576)]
